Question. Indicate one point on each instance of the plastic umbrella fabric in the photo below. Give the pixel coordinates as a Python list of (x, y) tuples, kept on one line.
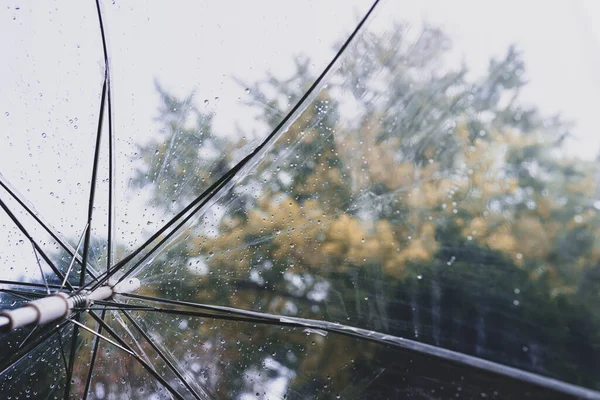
[(299, 201)]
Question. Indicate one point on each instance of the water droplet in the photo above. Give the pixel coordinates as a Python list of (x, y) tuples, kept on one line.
[(44, 134), (247, 91), (206, 102)]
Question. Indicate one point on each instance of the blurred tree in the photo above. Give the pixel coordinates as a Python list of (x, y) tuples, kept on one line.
[(407, 198)]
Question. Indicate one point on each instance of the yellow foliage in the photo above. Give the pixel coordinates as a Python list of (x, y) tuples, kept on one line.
[(502, 241), (533, 238)]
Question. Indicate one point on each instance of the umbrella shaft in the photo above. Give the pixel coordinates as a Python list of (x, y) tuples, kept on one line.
[(58, 306)]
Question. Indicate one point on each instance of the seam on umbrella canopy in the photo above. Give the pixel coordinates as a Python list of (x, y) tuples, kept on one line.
[(136, 356), (111, 143), (30, 209), (208, 197), (162, 355), (62, 350), (88, 231), (396, 341), (31, 346), (88, 379), (33, 242), (146, 337), (87, 234)]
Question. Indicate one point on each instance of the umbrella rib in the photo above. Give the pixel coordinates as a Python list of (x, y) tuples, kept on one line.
[(111, 144), (24, 295), (208, 197), (28, 284), (212, 189), (395, 341), (62, 352), (93, 181), (27, 206), (210, 192), (88, 379), (31, 347), (16, 294), (237, 314), (161, 354), (136, 356), (225, 317), (204, 314), (35, 245)]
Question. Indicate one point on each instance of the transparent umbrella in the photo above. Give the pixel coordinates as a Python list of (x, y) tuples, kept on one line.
[(296, 201)]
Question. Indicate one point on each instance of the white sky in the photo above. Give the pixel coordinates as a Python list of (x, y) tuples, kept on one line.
[(561, 45), (51, 73)]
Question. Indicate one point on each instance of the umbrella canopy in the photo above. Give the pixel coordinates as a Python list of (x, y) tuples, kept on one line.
[(298, 201)]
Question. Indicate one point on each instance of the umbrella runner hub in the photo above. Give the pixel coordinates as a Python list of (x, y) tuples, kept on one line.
[(58, 306)]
